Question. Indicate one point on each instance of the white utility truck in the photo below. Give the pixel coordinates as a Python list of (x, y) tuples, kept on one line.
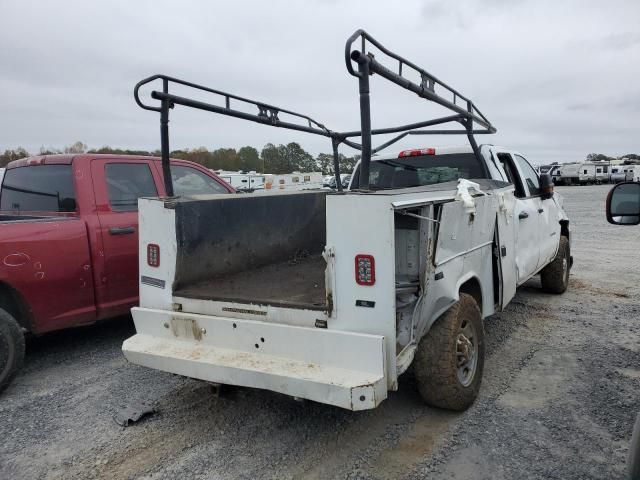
[(330, 296)]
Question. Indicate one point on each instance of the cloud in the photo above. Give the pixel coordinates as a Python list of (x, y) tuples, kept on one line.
[(69, 67), (620, 40)]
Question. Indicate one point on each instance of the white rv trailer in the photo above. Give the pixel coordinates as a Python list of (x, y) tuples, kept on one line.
[(632, 173), (585, 173), (246, 181), (570, 174), (294, 181)]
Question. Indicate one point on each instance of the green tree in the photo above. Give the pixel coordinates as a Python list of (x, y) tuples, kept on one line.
[(272, 158), (224, 159), (325, 163), (297, 159), (48, 151), (348, 163), (10, 155), (119, 151), (249, 159), (77, 147), (596, 157)]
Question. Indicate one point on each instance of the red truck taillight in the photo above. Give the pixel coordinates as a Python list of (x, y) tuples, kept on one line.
[(153, 255), (365, 269)]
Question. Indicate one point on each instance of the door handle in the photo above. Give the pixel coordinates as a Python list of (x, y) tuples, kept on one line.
[(523, 215), (540, 210), (122, 230)]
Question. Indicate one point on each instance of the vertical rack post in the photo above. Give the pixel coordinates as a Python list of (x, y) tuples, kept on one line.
[(468, 124), (365, 117), (336, 163), (164, 140)]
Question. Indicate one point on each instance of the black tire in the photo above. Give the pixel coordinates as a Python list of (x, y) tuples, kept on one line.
[(11, 348), (439, 376), (633, 462), (555, 276)]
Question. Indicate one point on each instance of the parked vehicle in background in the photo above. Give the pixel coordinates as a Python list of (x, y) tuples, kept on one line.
[(243, 181), (340, 293), (69, 240), (585, 173), (293, 181), (570, 174), (618, 174), (346, 179), (555, 174), (632, 173)]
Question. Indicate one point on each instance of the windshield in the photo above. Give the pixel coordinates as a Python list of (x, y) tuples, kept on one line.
[(422, 170)]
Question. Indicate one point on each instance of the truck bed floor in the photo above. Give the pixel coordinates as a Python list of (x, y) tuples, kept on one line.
[(296, 283)]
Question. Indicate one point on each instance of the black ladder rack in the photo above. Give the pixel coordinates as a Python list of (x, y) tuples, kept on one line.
[(464, 111)]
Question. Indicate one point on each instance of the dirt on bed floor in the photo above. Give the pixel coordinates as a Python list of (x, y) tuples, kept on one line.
[(296, 283)]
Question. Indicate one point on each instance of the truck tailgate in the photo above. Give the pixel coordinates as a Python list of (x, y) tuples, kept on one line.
[(302, 362)]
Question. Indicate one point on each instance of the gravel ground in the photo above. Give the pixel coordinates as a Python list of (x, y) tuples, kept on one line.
[(560, 392)]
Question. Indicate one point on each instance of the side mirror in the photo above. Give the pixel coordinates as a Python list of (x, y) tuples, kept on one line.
[(546, 186), (623, 204)]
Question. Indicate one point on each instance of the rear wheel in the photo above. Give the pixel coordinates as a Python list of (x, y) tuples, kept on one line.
[(555, 276), (11, 348), (450, 358)]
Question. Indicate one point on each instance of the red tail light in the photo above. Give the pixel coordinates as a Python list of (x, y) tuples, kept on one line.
[(417, 151), (365, 270), (153, 255)]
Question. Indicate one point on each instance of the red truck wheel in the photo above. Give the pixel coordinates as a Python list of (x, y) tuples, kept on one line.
[(11, 348)]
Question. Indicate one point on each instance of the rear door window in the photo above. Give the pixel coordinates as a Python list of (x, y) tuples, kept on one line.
[(126, 182), (46, 188), (189, 181)]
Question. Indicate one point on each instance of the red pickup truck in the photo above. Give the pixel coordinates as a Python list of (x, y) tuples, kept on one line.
[(69, 240)]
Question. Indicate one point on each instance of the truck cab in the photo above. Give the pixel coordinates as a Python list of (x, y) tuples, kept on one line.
[(540, 219)]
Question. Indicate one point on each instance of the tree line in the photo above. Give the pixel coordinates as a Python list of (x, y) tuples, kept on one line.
[(600, 157), (271, 159)]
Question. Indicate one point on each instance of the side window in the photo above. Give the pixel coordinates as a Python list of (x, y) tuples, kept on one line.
[(512, 176), (189, 181), (529, 176), (126, 182)]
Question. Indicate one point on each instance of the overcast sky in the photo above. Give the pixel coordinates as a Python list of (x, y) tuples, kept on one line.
[(559, 79)]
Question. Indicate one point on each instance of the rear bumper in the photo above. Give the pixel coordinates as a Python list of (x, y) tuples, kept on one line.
[(338, 368)]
